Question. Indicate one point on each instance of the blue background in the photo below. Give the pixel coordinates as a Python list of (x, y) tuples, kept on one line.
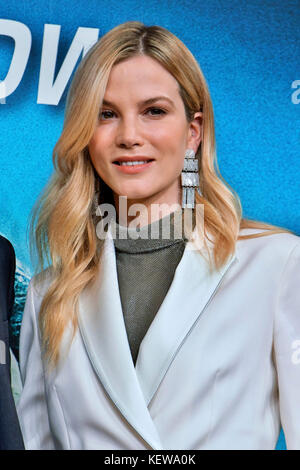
[(249, 54)]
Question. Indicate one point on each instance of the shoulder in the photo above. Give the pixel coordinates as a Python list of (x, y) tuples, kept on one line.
[(272, 248), (36, 291), (40, 283), (7, 251), (7, 275)]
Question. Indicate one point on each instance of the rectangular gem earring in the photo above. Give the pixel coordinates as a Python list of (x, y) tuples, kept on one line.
[(189, 179)]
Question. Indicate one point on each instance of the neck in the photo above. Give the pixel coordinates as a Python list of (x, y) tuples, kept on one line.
[(144, 211)]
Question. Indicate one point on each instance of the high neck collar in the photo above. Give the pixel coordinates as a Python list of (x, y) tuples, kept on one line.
[(160, 234)]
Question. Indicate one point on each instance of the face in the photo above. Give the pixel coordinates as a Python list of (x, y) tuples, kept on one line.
[(143, 118)]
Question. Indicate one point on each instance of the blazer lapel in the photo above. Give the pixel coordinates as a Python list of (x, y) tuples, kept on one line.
[(104, 334), (191, 290), (102, 327)]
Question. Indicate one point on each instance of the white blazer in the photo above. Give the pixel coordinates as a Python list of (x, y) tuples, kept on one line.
[(219, 367)]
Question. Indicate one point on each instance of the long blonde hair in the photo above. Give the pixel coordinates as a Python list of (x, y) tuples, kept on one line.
[(63, 225)]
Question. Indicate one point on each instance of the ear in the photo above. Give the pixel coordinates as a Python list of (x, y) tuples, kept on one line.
[(195, 132)]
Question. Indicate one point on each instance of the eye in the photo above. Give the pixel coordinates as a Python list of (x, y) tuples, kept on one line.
[(104, 115), (157, 111)]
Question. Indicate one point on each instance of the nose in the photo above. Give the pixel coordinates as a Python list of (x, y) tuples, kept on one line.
[(129, 132)]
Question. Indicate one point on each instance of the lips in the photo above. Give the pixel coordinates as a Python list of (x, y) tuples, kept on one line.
[(129, 168), (132, 159)]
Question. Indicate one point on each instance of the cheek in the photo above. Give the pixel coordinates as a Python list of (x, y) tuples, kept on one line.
[(92, 146), (92, 152), (101, 139), (170, 137), (172, 147), (96, 146)]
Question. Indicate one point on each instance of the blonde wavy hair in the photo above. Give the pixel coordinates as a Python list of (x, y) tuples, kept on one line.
[(63, 226)]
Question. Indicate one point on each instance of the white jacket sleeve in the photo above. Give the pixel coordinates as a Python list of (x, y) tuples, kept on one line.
[(287, 348), (32, 406)]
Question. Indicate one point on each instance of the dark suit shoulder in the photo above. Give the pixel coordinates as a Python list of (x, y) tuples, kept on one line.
[(6, 248), (7, 276), (4, 242)]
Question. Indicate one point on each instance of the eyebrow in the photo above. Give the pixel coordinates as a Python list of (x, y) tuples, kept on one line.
[(144, 102)]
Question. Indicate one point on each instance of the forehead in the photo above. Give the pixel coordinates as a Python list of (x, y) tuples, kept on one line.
[(141, 75)]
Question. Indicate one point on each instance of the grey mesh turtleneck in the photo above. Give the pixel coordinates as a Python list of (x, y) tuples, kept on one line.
[(146, 268)]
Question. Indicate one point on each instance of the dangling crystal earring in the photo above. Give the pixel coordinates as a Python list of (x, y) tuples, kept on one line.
[(189, 180)]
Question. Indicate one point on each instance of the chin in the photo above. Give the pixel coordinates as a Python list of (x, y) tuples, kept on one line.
[(137, 194), (136, 197)]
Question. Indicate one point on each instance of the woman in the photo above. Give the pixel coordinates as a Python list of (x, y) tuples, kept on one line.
[(186, 342)]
